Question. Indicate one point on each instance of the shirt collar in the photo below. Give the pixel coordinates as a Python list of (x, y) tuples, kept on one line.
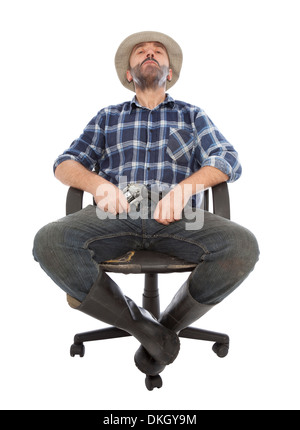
[(168, 101)]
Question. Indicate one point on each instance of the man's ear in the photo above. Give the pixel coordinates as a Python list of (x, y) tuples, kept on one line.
[(170, 75), (129, 76)]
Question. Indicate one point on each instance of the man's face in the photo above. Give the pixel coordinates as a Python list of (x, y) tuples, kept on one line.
[(149, 65)]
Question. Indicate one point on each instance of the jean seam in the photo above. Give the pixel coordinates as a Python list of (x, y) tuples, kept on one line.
[(107, 236), (182, 239)]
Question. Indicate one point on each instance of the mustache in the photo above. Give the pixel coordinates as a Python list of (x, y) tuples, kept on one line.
[(150, 59)]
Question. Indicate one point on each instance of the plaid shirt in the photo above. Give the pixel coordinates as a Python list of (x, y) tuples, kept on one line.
[(162, 146)]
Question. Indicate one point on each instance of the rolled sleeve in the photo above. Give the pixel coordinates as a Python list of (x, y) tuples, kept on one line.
[(214, 150), (87, 149), (220, 163)]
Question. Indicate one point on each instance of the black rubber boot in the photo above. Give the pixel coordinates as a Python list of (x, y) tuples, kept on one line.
[(106, 302), (180, 313)]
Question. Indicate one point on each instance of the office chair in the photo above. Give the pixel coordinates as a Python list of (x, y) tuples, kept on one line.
[(151, 264)]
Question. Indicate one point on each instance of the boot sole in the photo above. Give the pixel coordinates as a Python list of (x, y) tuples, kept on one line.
[(146, 364), (163, 350)]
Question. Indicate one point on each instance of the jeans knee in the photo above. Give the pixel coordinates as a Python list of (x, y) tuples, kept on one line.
[(244, 248), (253, 248), (42, 242)]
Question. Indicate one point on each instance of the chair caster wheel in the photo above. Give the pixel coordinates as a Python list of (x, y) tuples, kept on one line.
[(77, 349), (153, 382), (221, 349)]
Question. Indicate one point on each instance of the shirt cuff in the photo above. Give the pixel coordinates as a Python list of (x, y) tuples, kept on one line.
[(224, 166), (62, 158)]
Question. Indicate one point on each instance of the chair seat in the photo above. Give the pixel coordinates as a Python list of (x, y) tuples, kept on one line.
[(147, 262)]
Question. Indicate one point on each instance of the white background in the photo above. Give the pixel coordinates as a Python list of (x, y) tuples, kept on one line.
[(241, 65)]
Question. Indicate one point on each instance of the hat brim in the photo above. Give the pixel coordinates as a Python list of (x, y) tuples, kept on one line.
[(124, 51)]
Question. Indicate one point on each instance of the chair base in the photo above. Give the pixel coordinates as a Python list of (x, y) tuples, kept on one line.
[(220, 347), (77, 348)]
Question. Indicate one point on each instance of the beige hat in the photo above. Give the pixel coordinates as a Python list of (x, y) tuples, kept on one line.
[(124, 51)]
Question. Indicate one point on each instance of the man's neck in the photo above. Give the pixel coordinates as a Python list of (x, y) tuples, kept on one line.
[(150, 98)]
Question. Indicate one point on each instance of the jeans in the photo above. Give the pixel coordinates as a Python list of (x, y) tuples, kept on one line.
[(70, 250)]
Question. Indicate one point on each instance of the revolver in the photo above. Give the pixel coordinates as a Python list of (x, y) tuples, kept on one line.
[(135, 193)]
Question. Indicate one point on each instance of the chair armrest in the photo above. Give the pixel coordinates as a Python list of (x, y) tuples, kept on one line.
[(221, 203), (74, 200)]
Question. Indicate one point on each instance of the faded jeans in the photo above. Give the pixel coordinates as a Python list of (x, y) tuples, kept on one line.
[(70, 250)]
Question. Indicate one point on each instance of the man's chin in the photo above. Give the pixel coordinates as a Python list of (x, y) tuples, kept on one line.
[(150, 71), (149, 77)]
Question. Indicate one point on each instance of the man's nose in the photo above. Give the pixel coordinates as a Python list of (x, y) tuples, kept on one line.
[(150, 53)]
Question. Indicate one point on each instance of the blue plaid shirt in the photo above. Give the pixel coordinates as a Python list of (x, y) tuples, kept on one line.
[(160, 147)]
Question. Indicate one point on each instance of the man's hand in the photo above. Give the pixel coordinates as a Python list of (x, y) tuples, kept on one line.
[(110, 199), (169, 208)]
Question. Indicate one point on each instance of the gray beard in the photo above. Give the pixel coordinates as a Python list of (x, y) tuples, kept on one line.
[(151, 80)]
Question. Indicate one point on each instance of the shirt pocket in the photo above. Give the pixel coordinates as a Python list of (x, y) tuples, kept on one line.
[(180, 145)]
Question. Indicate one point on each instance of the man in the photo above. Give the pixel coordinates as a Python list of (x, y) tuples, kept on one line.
[(174, 149)]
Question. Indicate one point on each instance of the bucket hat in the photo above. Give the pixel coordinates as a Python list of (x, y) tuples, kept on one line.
[(124, 51)]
